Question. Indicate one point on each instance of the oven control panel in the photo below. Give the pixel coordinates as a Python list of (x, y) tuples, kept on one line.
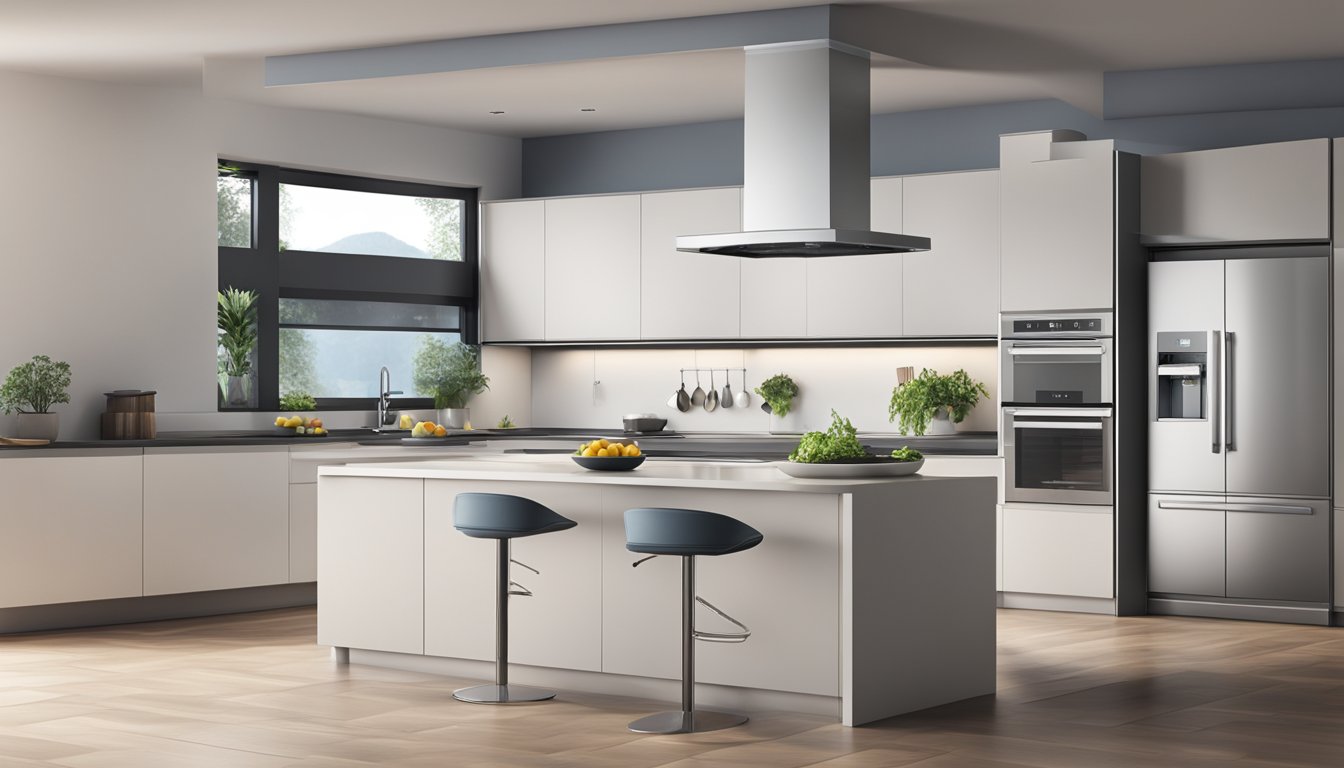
[(1047, 325), (1092, 324)]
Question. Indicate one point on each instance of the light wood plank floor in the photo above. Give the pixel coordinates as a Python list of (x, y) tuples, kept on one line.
[(1074, 692)]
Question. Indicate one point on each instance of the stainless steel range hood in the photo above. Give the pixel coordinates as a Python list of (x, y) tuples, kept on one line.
[(806, 164)]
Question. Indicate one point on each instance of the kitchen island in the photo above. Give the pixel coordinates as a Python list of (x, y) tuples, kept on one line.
[(868, 598)]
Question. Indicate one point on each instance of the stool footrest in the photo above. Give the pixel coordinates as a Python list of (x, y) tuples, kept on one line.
[(722, 637)]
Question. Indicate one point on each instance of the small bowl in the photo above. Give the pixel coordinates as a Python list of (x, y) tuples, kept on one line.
[(609, 463), (644, 424)]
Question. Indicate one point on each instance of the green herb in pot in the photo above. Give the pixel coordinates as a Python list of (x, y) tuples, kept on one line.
[(839, 441)]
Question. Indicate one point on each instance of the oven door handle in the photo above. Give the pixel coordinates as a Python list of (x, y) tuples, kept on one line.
[(1057, 425), (1017, 350), (1054, 413)]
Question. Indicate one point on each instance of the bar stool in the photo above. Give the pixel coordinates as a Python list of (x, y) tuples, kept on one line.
[(687, 533), (503, 517)]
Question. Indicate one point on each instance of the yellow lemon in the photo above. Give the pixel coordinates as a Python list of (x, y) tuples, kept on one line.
[(632, 450), (603, 443), (279, 421), (589, 451)]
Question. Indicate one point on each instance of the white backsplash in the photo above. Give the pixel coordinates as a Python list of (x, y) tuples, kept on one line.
[(596, 388)]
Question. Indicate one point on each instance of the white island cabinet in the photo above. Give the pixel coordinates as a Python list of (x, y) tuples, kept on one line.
[(866, 599)]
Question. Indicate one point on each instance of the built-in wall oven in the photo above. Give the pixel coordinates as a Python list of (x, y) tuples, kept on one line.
[(1057, 388)]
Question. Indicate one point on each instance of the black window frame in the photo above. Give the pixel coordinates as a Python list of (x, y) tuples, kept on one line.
[(276, 273)]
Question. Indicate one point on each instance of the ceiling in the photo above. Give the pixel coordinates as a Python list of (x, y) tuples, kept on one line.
[(960, 52)]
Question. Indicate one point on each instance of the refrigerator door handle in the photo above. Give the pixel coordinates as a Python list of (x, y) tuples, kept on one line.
[(1274, 509), (1214, 405), (1229, 393)]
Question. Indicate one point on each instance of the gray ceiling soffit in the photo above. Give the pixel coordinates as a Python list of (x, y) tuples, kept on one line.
[(861, 27), (1224, 88)]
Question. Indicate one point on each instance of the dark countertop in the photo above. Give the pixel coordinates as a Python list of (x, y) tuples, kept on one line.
[(745, 445)]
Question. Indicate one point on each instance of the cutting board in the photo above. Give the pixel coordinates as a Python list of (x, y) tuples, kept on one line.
[(22, 441)]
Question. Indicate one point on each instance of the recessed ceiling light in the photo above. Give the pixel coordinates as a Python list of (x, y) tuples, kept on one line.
[(588, 109), (496, 111)]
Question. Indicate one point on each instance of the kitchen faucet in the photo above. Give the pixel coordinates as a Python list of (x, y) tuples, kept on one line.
[(384, 393)]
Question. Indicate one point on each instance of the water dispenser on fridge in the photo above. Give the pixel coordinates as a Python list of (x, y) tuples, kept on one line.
[(1185, 376)]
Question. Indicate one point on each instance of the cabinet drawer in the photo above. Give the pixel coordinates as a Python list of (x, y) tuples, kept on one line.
[(1063, 550), (1186, 547)]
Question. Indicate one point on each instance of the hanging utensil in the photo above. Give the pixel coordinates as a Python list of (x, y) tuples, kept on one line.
[(726, 400), (698, 396), (743, 398), (712, 398), (683, 403)]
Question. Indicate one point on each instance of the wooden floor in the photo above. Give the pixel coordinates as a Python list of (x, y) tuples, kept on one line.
[(1074, 692)]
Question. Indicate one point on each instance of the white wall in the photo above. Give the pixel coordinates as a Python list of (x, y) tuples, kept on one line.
[(596, 388), (108, 212)]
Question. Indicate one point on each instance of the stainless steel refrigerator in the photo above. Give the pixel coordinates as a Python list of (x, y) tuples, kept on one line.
[(1239, 433)]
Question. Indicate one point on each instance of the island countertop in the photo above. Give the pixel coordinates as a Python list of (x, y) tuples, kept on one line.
[(656, 472)]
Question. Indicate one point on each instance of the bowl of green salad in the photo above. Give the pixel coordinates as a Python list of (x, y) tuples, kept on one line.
[(837, 453)]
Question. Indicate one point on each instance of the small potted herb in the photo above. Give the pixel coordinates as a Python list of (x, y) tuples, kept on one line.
[(933, 403), (237, 323), (451, 374), (778, 392), (30, 390), (298, 401)]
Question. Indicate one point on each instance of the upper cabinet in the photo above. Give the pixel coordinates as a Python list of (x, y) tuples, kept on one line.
[(592, 268), (1262, 192), (688, 295), (1057, 220), (513, 271), (860, 296), (953, 288)]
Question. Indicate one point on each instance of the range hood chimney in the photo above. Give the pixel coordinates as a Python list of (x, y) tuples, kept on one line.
[(806, 169)]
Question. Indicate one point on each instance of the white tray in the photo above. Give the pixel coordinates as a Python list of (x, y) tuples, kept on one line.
[(865, 469)]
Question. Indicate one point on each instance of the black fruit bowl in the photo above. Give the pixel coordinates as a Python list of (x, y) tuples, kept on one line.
[(609, 463)]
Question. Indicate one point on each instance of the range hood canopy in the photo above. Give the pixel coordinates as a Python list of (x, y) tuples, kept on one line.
[(806, 158)]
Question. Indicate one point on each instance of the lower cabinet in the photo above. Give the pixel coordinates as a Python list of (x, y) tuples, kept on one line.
[(215, 518), (302, 532), (374, 596), (1059, 550), (70, 527), (1187, 546)]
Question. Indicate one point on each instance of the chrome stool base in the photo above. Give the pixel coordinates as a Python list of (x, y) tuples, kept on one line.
[(678, 721), (502, 694)]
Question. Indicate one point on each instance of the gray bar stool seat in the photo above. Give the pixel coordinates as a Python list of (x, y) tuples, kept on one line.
[(689, 533), (503, 517)]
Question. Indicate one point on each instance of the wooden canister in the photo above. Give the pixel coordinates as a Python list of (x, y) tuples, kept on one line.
[(129, 416)]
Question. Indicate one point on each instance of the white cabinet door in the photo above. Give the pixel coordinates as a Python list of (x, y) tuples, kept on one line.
[(1057, 234), (1262, 192), (215, 518), (513, 271), (860, 296), (953, 288), (688, 295), (787, 590), (592, 268), (370, 563), (560, 625), (303, 532), (1058, 550), (69, 528)]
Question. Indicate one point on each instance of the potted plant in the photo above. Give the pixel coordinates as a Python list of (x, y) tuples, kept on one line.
[(778, 392), (237, 321), (933, 403), (298, 401), (31, 389), (451, 374)]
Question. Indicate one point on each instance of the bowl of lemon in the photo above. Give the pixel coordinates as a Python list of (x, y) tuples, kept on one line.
[(608, 455)]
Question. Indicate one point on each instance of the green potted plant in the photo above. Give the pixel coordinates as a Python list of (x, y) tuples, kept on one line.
[(778, 393), (30, 390), (451, 374), (237, 324), (298, 401), (933, 403)]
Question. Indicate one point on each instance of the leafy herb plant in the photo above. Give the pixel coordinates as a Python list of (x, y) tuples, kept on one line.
[(35, 386), (839, 441), (916, 401), (778, 392), (298, 401), (450, 373)]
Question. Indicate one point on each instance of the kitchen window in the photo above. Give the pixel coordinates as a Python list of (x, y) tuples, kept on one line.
[(352, 274)]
